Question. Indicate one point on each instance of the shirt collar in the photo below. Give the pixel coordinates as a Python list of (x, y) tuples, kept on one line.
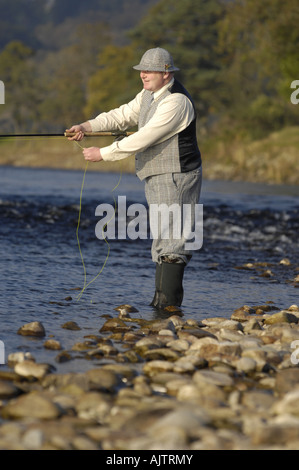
[(158, 93)]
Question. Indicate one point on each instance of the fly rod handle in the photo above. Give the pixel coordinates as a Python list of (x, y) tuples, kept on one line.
[(100, 134)]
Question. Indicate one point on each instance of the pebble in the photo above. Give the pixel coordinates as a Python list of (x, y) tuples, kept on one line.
[(168, 384)]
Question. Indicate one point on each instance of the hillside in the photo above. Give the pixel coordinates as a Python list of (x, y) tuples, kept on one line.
[(26, 21)]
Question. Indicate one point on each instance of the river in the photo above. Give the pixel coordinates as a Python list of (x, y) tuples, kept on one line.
[(41, 265)]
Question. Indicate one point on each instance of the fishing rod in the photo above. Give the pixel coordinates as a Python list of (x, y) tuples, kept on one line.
[(72, 134)]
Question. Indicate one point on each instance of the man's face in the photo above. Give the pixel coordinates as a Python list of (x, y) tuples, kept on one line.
[(153, 81)]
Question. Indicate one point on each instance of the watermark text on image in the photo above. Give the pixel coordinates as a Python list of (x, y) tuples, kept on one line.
[(168, 222), (295, 354), (2, 353), (2, 92), (295, 94), (156, 460)]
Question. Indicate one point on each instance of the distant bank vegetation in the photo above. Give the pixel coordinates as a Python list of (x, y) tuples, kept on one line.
[(238, 59)]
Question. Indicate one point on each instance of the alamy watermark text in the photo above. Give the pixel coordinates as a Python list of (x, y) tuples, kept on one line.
[(295, 94), (2, 92), (167, 222)]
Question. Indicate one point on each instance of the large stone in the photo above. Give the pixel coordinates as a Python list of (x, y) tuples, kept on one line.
[(31, 405), (281, 317), (34, 328), (31, 369)]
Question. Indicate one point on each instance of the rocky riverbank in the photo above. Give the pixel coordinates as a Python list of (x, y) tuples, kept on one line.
[(168, 384)]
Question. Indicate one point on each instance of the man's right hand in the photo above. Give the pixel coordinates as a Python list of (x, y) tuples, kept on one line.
[(78, 130)]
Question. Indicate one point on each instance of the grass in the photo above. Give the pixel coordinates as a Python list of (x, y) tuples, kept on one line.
[(273, 159)]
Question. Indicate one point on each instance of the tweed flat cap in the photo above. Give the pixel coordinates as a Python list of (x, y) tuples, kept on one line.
[(156, 60)]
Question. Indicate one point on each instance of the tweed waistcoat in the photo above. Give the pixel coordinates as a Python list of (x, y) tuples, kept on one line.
[(178, 154)]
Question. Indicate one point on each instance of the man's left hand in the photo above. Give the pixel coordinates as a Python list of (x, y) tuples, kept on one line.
[(93, 154)]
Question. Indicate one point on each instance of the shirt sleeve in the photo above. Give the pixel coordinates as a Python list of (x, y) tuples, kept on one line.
[(172, 116), (119, 119)]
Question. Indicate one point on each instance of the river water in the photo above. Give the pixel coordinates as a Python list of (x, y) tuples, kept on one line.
[(41, 265)]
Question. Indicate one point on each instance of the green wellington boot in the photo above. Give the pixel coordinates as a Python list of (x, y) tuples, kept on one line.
[(169, 285)]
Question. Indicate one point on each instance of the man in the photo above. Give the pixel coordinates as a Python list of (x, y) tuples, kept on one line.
[(167, 158)]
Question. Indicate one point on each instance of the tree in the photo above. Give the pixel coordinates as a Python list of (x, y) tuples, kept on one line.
[(65, 74), (115, 81), (189, 30), (18, 72), (261, 42)]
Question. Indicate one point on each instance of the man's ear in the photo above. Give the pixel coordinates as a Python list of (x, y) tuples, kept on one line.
[(167, 75)]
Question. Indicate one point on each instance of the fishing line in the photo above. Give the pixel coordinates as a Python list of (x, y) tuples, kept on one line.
[(28, 137), (77, 231)]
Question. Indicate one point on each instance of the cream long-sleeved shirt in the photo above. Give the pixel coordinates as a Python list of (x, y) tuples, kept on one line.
[(172, 116)]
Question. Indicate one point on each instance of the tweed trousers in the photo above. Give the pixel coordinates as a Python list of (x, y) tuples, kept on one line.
[(171, 189)]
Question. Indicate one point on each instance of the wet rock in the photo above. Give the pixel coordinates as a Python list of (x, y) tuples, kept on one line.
[(173, 310), (285, 262), (64, 356), (34, 328), (71, 325), (242, 314), (83, 346), (52, 344), (116, 325), (294, 308), (127, 308)]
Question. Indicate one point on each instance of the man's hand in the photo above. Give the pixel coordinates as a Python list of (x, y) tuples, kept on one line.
[(79, 132), (93, 154)]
